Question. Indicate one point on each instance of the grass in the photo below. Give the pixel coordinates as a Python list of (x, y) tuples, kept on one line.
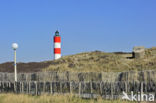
[(22, 98), (104, 62), (90, 62)]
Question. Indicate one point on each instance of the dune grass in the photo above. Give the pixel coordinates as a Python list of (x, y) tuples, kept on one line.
[(22, 98), (104, 62), (95, 61)]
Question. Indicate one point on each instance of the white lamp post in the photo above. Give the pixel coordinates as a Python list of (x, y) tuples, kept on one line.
[(15, 46)]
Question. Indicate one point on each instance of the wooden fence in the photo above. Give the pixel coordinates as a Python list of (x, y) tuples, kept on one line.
[(129, 76), (107, 90)]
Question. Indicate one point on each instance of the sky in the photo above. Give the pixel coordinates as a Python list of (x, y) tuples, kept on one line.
[(84, 25)]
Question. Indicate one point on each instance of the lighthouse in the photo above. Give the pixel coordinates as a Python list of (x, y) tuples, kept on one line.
[(57, 45)]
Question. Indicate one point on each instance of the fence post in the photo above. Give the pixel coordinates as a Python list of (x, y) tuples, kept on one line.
[(61, 87), (145, 87), (0, 86), (91, 87), (70, 87), (51, 87), (36, 87), (15, 90), (126, 87), (155, 89), (29, 87), (101, 88), (44, 87), (79, 89), (22, 87), (141, 91), (10, 87), (111, 90)]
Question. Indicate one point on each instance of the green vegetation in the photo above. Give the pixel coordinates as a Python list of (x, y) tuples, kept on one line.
[(21, 98), (107, 62)]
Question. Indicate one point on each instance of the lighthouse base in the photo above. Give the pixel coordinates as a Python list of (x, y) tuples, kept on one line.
[(57, 56)]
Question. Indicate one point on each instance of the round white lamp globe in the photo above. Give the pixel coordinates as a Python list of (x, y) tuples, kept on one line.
[(14, 46)]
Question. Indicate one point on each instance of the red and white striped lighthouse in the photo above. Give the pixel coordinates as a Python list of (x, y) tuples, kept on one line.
[(57, 45)]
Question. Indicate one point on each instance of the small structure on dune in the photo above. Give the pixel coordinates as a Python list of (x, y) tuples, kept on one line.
[(138, 52)]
